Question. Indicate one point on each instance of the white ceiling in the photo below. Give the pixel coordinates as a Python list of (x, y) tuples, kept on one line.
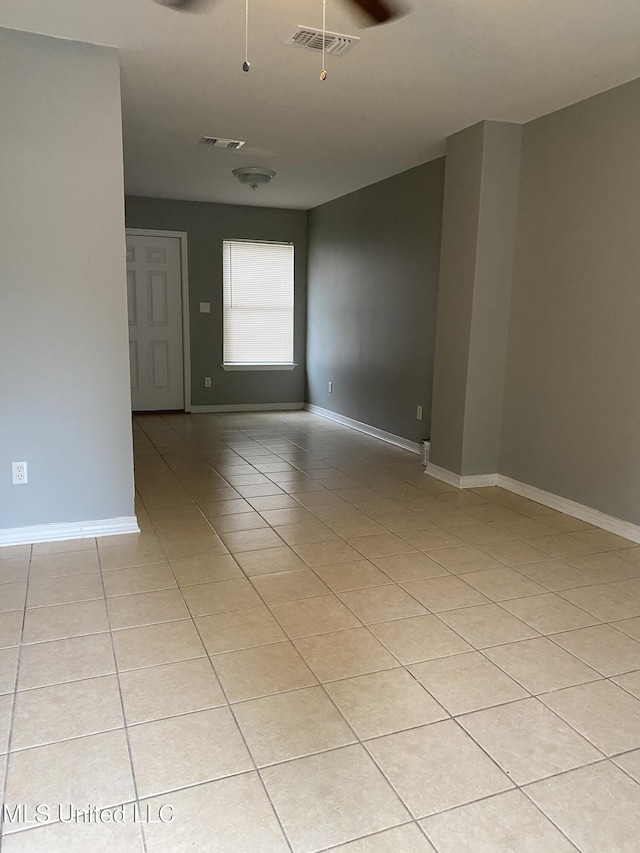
[(386, 106)]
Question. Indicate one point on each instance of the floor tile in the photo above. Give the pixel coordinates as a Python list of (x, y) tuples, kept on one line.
[(78, 838), (604, 568), (597, 807), (64, 590), (146, 608), (480, 533), (8, 669), (430, 539), (186, 750), (131, 555), (445, 593), (555, 575), (602, 647), (138, 579), (380, 545), (235, 812), (10, 628), (63, 711), (630, 682), (603, 712), (507, 822), (251, 673), (220, 567), (327, 553), (205, 599), (191, 547), (6, 709), (153, 645), (14, 571), (94, 769), (251, 540), (384, 702), (382, 603), (604, 601), (309, 616), (540, 665), (630, 762), (331, 798), (60, 661), (549, 613), (407, 838), (487, 625), (515, 552), (302, 534), (10, 552), (528, 741), (239, 629), (630, 586), (289, 586), (502, 584), (403, 758), (169, 689), (465, 559), (467, 682), (291, 725), (602, 540), (264, 562), (67, 563), (344, 654), (411, 566), (61, 621), (359, 574), (238, 521), (419, 638)]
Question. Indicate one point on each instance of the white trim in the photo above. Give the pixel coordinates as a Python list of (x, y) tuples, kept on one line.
[(184, 275), (576, 510), (470, 481), (238, 366), (389, 437), (584, 513), (68, 530), (247, 407)]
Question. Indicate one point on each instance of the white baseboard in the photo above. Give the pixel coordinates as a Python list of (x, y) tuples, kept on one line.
[(389, 437), (576, 510), (69, 530), (584, 513), (471, 481), (247, 407)]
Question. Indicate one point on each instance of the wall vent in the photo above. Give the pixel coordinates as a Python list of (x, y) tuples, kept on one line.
[(219, 142), (336, 44)]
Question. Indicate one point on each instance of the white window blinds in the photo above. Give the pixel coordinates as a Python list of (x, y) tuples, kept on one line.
[(258, 302)]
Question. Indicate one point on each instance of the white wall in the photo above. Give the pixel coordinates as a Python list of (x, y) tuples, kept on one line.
[(64, 376)]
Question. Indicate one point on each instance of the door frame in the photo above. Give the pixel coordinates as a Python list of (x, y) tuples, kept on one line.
[(184, 275)]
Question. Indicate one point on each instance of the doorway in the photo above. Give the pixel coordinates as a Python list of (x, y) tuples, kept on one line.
[(158, 305)]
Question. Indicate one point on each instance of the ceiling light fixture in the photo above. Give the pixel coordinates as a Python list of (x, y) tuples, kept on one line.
[(255, 176)]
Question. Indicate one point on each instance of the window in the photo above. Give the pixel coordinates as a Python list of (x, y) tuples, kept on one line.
[(258, 305)]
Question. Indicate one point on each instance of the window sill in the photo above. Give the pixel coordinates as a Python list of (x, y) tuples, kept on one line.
[(258, 366)]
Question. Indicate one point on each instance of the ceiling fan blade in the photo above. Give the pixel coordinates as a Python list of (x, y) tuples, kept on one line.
[(379, 11)]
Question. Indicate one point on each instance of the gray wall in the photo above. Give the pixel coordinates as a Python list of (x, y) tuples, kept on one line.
[(373, 279), (480, 206), (64, 380), (572, 395), (207, 225)]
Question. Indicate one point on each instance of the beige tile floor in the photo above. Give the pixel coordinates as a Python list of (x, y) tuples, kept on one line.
[(313, 646)]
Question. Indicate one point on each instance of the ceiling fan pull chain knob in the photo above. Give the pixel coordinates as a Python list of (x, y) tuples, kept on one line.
[(323, 74), (246, 65)]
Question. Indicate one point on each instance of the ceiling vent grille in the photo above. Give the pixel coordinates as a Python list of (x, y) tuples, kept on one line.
[(219, 142), (335, 43)]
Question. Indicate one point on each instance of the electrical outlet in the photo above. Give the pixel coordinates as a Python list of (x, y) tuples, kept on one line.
[(419, 413), (207, 382), (331, 387), (19, 473)]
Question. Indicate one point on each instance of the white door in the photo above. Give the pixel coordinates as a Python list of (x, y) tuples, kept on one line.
[(154, 290)]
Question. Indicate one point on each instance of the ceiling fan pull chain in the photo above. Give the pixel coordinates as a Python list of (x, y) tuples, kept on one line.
[(246, 65), (323, 73)]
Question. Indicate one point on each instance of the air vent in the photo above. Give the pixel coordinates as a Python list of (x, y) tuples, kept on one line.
[(219, 142), (334, 43)]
